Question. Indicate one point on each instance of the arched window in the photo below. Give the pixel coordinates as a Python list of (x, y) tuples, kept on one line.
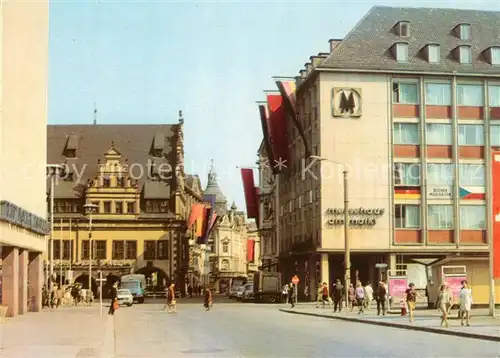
[(224, 266)]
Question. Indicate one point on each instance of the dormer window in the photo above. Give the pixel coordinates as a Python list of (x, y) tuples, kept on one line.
[(463, 31), (464, 54), (403, 29), (400, 51), (433, 53), (492, 55)]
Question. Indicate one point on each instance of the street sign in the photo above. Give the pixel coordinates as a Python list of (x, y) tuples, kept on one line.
[(381, 265), (295, 280)]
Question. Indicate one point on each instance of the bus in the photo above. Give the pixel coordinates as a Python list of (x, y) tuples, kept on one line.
[(136, 284)]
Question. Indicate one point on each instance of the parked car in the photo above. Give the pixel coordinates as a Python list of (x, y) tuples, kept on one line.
[(239, 292), (248, 294), (125, 297)]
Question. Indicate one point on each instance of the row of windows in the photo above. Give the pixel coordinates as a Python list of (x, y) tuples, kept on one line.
[(120, 207), (122, 250), (440, 174), (440, 217), (440, 94), (441, 134)]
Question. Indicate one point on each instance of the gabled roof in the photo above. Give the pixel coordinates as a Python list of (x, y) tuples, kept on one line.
[(367, 46), (133, 142)]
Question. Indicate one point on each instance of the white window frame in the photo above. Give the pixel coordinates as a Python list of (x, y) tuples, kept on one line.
[(434, 53), (445, 217), (401, 223), (403, 174), (444, 87), (398, 87), (404, 24), (465, 55), (402, 52), (495, 135), (399, 140), (495, 55), (462, 98), (464, 31), (475, 131), (465, 223), (444, 128), (494, 95)]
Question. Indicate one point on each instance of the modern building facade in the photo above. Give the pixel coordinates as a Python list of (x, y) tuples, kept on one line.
[(409, 104), (134, 176), (23, 226)]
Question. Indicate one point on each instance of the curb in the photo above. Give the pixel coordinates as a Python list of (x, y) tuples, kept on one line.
[(401, 326)]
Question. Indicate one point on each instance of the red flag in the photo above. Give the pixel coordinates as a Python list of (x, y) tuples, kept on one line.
[(200, 221), (196, 211), (250, 192), (250, 250), (495, 168), (278, 130), (264, 121)]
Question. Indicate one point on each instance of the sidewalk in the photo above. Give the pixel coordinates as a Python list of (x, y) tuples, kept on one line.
[(482, 326), (61, 333)]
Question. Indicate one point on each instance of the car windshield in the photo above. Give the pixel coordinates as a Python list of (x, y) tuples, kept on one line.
[(123, 292)]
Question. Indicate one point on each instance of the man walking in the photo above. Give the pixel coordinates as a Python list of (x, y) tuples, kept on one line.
[(381, 298), (338, 295)]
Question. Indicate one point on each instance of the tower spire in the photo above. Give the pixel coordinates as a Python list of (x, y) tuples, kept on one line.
[(181, 117), (95, 113)]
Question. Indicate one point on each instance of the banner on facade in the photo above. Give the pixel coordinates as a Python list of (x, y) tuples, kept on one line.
[(207, 218), (278, 130), (250, 193), (264, 121), (250, 250), (495, 245), (287, 90), (196, 211)]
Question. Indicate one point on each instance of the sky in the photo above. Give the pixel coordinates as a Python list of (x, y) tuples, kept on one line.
[(143, 61)]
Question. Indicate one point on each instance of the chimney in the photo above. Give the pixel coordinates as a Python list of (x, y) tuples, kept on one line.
[(302, 74), (334, 43), (315, 61), (309, 68)]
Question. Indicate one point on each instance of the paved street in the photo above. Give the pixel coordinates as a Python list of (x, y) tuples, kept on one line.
[(230, 330)]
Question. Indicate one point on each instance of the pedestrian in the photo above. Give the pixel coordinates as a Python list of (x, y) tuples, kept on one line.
[(352, 296), (292, 295), (200, 289), (360, 297), (319, 294), (284, 292), (368, 296), (411, 300), (114, 299), (171, 303), (338, 295), (444, 300), (190, 291), (381, 298), (208, 299), (325, 296), (465, 303)]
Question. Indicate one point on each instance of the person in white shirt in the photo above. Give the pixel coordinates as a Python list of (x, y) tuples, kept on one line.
[(368, 296), (465, 303)]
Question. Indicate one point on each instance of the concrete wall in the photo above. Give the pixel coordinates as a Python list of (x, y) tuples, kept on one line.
[(24, 113), (363, 145)]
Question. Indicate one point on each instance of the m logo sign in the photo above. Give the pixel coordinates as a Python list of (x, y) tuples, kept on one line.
[(346, 102)]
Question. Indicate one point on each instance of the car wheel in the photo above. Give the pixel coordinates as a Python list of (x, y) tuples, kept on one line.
[(273, 299), (129, 305), (141, 300)]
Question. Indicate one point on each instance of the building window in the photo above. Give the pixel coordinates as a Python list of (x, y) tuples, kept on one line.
[(85, 249), (100, 249), (62, 249), (119, 207), (118, 250), (131, 250), (406, 133), (494, 96), (402, 52), (495, 135), (495, 55), (404, 29), (464, 31), (97, 210), (130, 207), (163, 249), (470, 95), (149, 250), (438, 94), (438, 134), (405, 93), (407, 216), (106, 182), (225, 247), (440, 217), (470, 134), (107, 207), (465, 53), (156, 206), (440, 174), (120, 182), (434, 53), (472, 217), (407, 174), (224, 265), (471, 174)]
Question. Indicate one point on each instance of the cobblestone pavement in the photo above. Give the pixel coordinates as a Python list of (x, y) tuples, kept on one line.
[(229, 330)]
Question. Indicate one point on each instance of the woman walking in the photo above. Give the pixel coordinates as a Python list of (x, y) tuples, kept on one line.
[(360, 297), (444, 299), (171, 304), (114, 299), (208, 299), (411, 300), (465, 303)]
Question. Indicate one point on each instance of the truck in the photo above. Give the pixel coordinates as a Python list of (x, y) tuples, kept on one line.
[(136, 284), (267, 286)]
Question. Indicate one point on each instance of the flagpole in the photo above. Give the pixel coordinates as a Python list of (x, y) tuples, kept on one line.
[(61, 255), (283, 78), (271, 91), (70, 246)]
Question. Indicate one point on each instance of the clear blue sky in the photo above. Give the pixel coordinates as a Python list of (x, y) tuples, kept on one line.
[(143, 61)]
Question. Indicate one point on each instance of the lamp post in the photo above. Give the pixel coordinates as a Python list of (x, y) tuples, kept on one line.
[(90, 208), (53, 170), (347, 242)]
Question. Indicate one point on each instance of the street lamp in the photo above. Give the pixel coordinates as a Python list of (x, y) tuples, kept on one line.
[(90, 208), (347, 243), (53, 170)]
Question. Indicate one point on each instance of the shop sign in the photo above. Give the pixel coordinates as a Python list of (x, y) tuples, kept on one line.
[(18, 216), (357, 216), (440, 192)]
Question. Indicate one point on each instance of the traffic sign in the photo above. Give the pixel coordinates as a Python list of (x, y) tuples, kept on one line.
[(381, 265), (295, 280)]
